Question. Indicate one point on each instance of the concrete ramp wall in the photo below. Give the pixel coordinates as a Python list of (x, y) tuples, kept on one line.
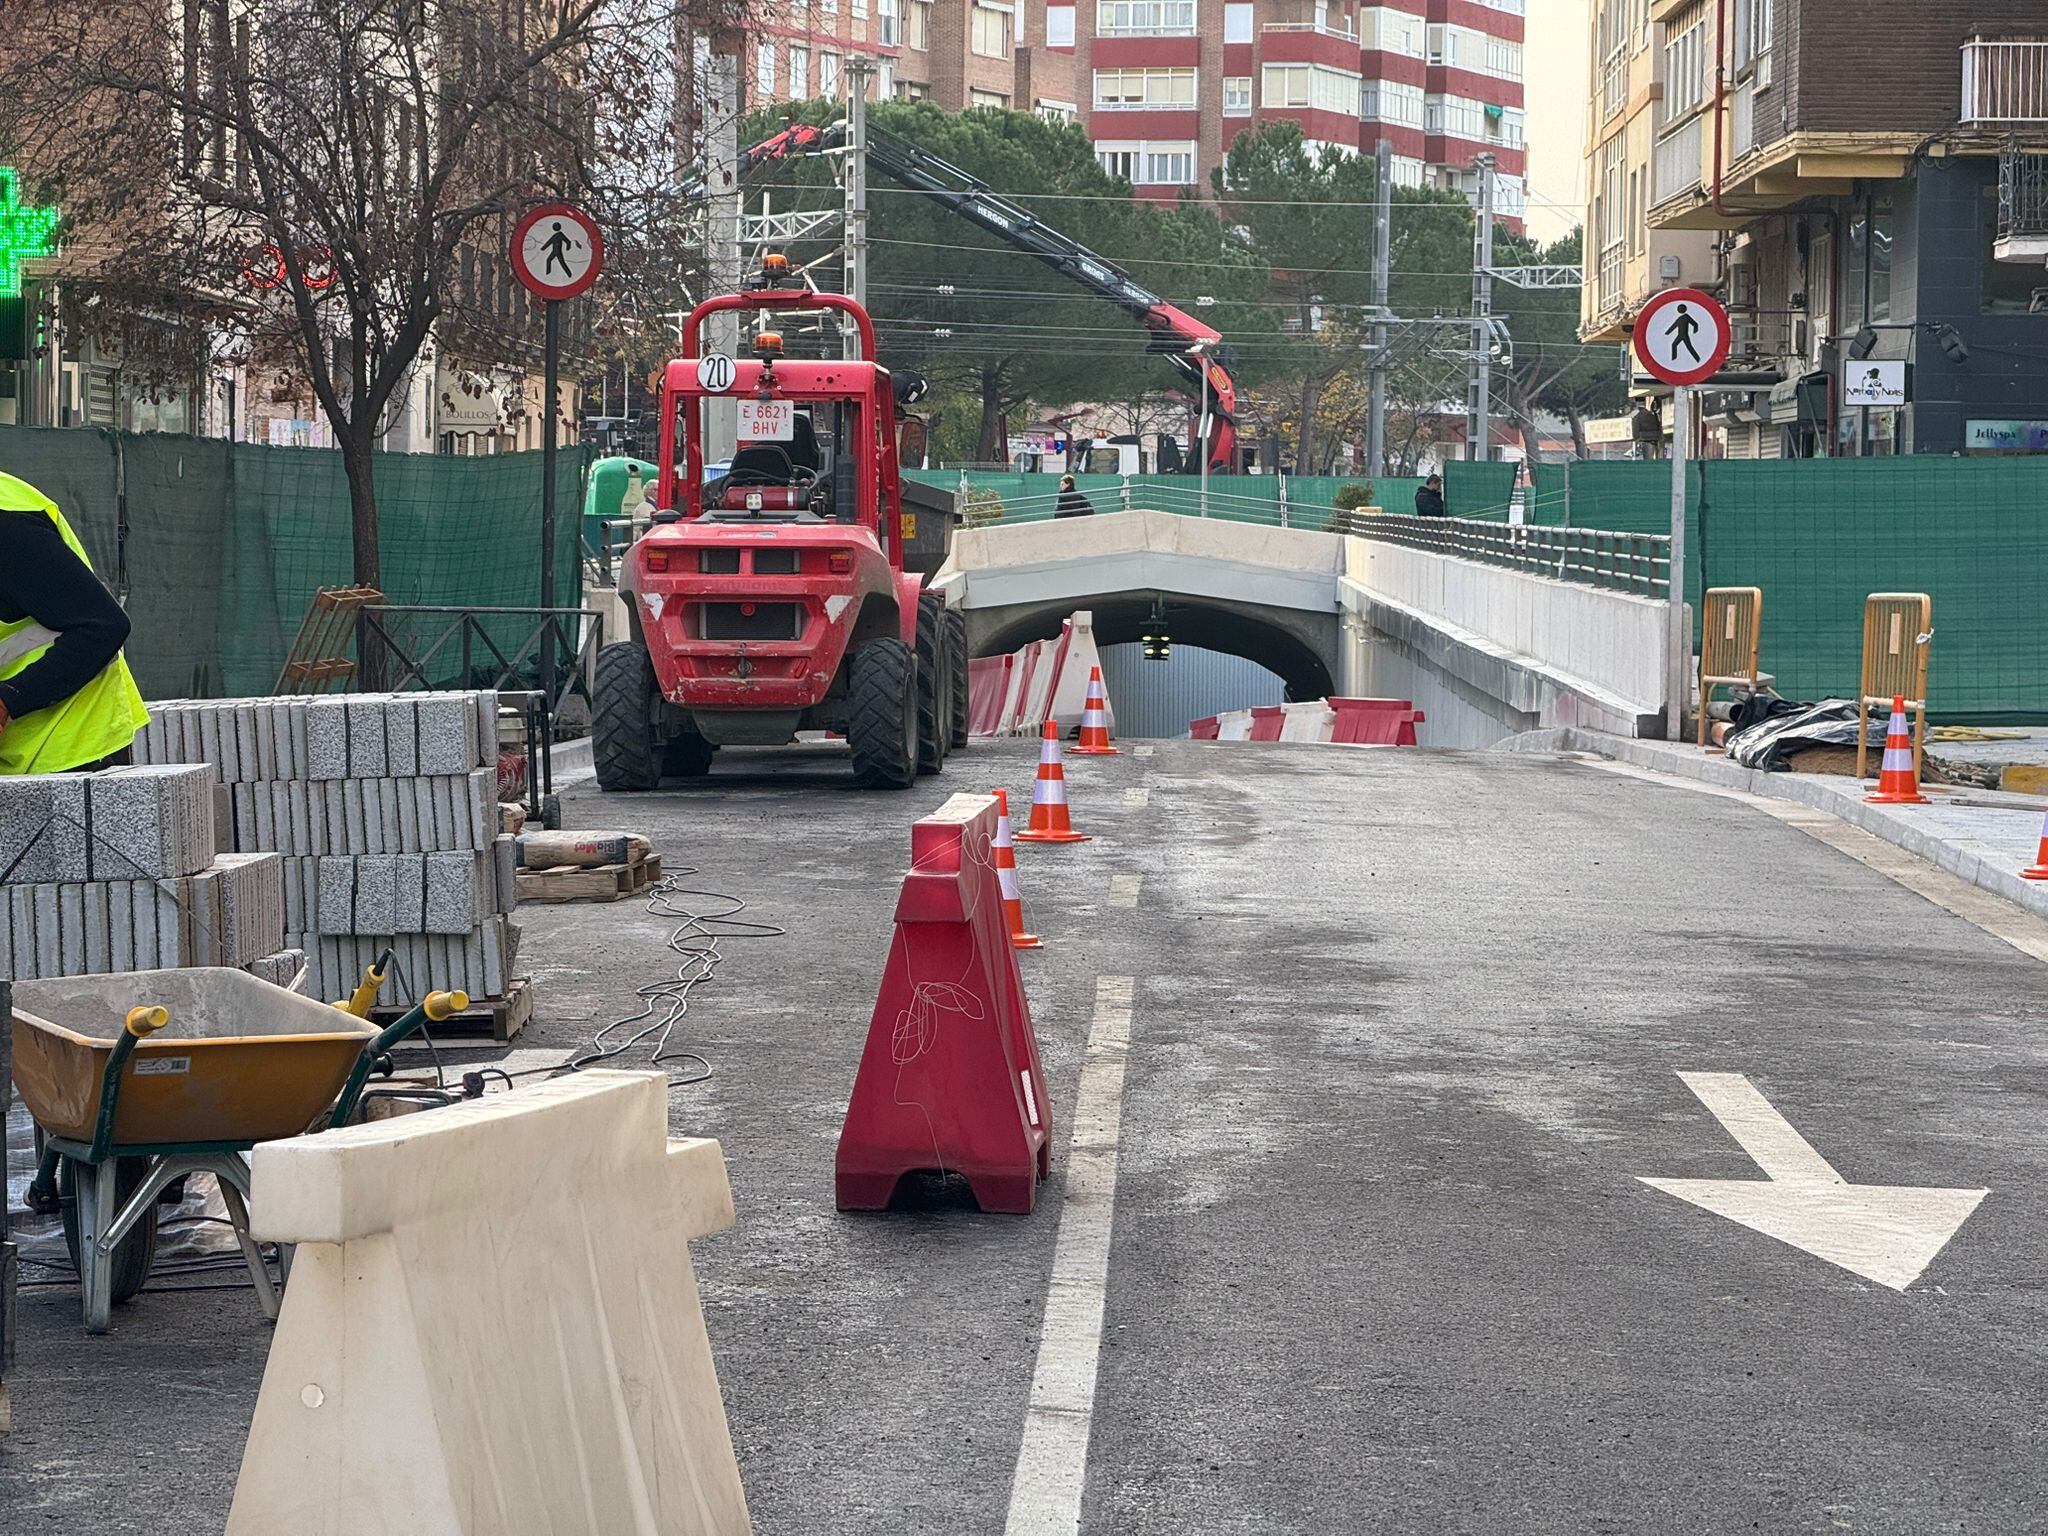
[(1489, 652)]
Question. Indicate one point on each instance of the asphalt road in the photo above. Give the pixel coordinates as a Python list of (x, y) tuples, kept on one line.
[(1405, 1036)]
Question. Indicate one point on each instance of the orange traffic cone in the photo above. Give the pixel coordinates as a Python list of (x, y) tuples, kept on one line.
[(1006, 877), (1049, 820), (1095, 720), (2038, 870), (1898, 783)]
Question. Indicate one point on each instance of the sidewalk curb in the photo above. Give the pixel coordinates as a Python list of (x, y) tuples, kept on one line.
[(1840, 798)]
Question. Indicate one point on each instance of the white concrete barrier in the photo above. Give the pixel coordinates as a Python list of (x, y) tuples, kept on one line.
[(1311, 720), (492, 1326)]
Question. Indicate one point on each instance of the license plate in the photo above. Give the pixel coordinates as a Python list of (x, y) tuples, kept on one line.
[(767, 421)]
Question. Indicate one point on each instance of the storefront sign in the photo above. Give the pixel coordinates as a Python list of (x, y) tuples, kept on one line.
[(1880, 386), (2006, 437)]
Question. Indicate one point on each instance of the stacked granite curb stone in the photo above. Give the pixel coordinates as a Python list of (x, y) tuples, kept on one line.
[(118, 871), (384, 808)]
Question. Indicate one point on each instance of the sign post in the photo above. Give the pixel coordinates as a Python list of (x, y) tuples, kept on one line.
[(557, 252), (1682, 338)]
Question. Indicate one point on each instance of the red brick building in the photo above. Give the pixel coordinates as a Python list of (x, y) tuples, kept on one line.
[(1162, 86)]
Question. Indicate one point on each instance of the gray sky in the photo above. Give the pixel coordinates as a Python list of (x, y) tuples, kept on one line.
[(1555, 64)]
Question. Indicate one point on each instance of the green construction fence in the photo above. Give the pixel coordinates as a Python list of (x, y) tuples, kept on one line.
[(217, 548), (1819, 535)]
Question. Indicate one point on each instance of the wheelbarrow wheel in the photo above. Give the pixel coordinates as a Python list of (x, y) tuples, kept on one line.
[(136, 1256)]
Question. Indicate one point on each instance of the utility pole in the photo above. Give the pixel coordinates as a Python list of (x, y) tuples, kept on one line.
[(721, 332), (1479, 400), (860, 70), (1382, 256)]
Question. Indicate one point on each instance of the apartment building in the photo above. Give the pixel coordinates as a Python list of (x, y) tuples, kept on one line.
[(1163, 86), (1628, 262), (1877, 191)]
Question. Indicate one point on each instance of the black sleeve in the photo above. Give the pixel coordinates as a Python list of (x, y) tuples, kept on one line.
[(41, 579)]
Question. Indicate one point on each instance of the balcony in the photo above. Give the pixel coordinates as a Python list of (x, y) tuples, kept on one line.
[(2005, 83), (1614, 83), (1675, 166), (1321, 29), (2022, 206)]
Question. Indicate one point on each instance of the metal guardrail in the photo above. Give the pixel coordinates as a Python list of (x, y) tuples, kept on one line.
[(420, 645), (1638, 563)]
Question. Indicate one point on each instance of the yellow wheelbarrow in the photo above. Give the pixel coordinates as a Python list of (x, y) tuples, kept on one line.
[(140, 1078)]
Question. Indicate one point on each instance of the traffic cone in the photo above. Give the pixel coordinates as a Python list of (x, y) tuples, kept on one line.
[(1049, 820), (1006, 877), (1898, 783), (2038, 870), (1095, 720)]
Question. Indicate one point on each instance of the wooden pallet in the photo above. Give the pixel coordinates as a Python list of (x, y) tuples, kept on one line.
[(605, 882), (486, 1018)]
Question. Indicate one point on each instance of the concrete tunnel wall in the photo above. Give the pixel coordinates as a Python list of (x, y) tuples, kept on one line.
[(1486, 651)]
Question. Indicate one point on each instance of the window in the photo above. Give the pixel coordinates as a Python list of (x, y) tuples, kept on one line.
[(1237, 96), (1389, 101), (828, 75), (1149, 163), (1685, 56), (1753, 24), (1503, 58), (885, 79), (1388, 30), (989, 32), (764, 68), (1237, 22), (1145, 18), (1058, 111), (994, 99), (1409, 171), (917, 31), (1457, 117), (1116, 88), (860, 10), (1059, 26), (1310, 86), (889, 27), (799, 71), (1172, 166), (1457, 47), (1504, 126)]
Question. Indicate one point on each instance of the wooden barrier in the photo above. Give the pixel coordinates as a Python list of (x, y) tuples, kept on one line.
[(1731, 639), (1897, 628)]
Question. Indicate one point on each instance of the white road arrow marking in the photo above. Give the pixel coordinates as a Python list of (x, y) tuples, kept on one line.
[(1884, 1232)]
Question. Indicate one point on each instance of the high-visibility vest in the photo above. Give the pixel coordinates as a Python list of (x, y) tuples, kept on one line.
[(95, 722)]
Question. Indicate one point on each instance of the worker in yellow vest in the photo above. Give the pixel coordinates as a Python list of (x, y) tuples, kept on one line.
[(66, 698)]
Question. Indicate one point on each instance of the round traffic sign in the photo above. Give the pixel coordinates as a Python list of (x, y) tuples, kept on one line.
[(1682, 336), (716, 373), (557, 251)]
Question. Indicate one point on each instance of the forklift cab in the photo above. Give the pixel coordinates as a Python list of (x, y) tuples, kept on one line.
[(803, 478)]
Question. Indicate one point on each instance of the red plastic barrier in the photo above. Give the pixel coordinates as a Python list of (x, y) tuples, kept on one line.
[(950, 1079), (1267, 720), (988, 684), (1376, 722), (1204, 730)]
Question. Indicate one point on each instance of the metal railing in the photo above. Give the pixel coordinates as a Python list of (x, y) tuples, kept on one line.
[(2022, 194), (1638, 563), (2005, 82), (423, 645)]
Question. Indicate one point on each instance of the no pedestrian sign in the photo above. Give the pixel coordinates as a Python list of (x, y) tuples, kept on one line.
[(1682, 336), (557, 251)]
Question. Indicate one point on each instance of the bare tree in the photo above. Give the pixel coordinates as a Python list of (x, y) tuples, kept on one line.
[(335, 179)]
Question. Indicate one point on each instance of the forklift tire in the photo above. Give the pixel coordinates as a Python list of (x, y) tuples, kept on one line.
[(934, 687), (956, 646), (687, 756), (136, 1256), (881, 717), (622, 719)]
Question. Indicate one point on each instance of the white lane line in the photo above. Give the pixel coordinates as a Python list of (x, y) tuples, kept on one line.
[(1137, 798), (1052, 1462), (1123, 890)]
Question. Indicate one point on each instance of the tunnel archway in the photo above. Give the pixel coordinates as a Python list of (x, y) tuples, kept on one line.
[(1291, 644)]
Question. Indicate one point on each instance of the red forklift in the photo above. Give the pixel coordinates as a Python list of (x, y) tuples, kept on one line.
[(785, 593)]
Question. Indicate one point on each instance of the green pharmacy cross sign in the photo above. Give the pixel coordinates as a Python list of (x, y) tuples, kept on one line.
[(24, 233)]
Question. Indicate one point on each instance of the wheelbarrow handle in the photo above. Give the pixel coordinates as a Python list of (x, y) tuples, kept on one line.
[(140, 1022), (435, 1007)]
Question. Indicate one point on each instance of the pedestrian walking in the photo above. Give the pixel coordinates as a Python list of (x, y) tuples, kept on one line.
[(1072, 502), (1429, 498)]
